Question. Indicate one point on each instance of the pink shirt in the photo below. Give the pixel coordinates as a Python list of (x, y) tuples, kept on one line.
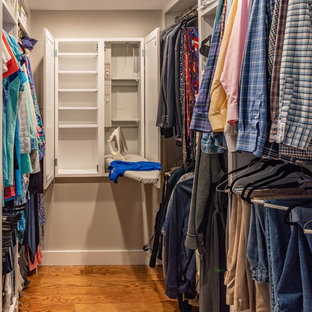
[(233, 61)]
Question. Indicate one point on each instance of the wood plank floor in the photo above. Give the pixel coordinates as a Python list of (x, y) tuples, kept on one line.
[(97, 289)]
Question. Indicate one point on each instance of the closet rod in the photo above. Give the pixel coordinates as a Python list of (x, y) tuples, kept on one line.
[(189, 12), (279, 207)]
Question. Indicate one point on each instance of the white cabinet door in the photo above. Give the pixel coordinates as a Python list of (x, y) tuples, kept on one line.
[(152, 82), (48, 107)]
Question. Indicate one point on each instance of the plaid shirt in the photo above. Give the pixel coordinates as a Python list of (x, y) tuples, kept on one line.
[(275, 87), (295, 114), (200, 121), (296, 153), (252, 128)]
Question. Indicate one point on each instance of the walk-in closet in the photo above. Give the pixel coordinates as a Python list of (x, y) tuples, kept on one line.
[(156, 155)]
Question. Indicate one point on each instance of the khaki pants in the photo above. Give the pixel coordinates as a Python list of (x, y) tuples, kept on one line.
[(242, 292)]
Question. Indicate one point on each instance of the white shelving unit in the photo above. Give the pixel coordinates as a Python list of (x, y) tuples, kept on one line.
[(79, 112), (99, 85)]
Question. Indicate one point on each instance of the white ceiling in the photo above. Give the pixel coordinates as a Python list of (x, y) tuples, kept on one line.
[(97, 4)]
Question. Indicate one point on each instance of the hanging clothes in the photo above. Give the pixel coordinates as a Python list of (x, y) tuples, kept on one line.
[(179, 84), (23, 145)]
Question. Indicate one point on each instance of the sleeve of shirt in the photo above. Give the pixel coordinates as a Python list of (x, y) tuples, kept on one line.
[(218, 105), (233, 61)]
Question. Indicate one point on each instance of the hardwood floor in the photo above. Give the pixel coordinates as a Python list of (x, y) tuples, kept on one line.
[(97, 289)]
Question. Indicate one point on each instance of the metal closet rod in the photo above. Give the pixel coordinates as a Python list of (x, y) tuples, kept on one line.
[(190, 11)]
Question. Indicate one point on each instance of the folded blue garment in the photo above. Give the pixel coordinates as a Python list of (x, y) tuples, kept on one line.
[(117, 168)]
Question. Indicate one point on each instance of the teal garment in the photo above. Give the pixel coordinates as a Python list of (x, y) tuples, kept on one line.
[(218, 14), (25, 164), (14, 46), (11, 117), (5, 99), (229, 6)]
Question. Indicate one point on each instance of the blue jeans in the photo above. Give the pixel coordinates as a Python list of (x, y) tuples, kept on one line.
[(256, 246), (277, 239), (289, 259), (294, 290)]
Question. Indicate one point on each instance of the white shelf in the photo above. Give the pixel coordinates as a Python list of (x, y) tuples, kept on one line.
[(78, 90), (75, 126), (78, 108), (125, 120), (77, 55), (80, 172), (78, 72), (8, 17), (22, 25), (210, 9), (126, 78)]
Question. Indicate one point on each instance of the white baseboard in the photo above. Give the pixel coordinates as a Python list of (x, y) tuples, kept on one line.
[(95, 257)]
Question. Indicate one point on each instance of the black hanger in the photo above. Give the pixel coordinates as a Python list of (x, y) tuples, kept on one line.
[(191, 20), (186, 20), (254, 183), (281, 173), (224, 177), (267, 164)]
